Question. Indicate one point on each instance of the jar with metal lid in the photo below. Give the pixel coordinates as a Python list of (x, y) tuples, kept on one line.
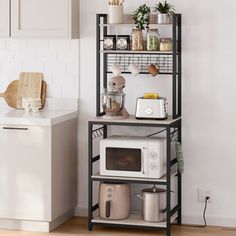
[(165, 44), (153, 40), (137, 40)]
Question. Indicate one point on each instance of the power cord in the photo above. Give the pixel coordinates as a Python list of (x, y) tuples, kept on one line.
[(204, 212), (204, 215)]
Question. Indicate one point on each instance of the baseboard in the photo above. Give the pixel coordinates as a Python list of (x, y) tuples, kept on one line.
[(60, 220), (37, 226), (211, 221), (81, 211)]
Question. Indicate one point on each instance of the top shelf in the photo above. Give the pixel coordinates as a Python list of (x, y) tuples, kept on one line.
[(128, 21), (133, 25)]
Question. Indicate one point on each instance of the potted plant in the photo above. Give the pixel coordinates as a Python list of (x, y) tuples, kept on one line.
[(164, 11), (141, 18)]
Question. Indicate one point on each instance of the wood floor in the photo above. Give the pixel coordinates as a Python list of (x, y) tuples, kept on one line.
[(78, 227)]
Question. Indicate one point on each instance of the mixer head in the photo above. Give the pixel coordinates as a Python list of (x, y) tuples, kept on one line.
[(116, 83)]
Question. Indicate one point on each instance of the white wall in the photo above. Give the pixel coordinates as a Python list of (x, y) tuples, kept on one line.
[(209, 132), (58, 59)]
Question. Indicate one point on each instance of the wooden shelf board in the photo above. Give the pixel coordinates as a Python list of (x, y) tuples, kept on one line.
[(151, 26), (135, 52), (98, 176), (134, 220), (132, 120)]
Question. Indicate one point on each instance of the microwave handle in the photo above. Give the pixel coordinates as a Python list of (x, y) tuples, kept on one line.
[(142, 160)]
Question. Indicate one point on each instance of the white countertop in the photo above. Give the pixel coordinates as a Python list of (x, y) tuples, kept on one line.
[(43, 118)]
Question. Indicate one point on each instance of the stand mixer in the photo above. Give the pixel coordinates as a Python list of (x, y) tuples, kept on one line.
[(113, 100)]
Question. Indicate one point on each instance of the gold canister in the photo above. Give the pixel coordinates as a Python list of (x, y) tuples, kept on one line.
[(165, 44), (137, 40)]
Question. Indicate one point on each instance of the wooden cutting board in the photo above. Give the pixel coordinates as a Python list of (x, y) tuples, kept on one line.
[(30, 86), (43, 93), (10, 95)]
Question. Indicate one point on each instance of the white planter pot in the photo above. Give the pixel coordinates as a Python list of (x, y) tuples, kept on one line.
[(115, 14), (164, 18)]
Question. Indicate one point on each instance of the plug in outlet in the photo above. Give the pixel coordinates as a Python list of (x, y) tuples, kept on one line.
[(203, 193)]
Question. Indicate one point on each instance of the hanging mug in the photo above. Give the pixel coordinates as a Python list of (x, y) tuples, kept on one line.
[(153, 70)]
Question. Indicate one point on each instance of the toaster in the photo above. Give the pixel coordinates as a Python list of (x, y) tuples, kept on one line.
[(147, 108)]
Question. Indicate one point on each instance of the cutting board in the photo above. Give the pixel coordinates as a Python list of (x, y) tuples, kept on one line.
[(29, 86), (10, 95), (43, 93)]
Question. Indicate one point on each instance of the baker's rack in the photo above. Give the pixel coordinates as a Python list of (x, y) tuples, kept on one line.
[(170, 64)]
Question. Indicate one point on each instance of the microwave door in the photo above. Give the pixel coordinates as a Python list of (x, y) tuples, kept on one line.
[(125, 161)]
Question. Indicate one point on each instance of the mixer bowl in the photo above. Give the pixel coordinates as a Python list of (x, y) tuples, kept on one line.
[(113, 103)]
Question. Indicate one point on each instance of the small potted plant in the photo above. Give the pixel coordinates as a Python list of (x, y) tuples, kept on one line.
[(141, 18), (164, 12)]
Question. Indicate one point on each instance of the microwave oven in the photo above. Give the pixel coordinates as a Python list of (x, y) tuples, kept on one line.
[(133, 157)]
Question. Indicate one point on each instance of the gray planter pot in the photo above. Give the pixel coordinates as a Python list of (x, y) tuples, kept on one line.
[(164, 18)]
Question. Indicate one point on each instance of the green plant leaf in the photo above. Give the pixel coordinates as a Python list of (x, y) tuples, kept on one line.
[(141, 16)]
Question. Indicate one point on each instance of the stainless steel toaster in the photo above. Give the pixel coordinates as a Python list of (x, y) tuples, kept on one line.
[(151, 108)]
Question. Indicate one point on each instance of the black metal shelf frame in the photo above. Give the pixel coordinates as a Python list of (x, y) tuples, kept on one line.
[(169, 63), (169, 130)]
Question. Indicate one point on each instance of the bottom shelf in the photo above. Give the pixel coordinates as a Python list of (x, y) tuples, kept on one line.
[(134, 220)]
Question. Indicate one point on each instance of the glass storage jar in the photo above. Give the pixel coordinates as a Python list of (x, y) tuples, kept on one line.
[(153, 40), (165, 44), (137, 40)]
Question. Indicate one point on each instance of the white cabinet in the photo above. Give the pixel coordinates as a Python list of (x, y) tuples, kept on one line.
[(40, 18), (4, 18), (25, 172), (38, 177)]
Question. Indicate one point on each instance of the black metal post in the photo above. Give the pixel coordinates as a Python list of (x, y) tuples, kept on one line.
[(90, 172), (105, 131), (179, 65), (105, 55), (98, 75), (179, 219), (174, 71), (168, 179)]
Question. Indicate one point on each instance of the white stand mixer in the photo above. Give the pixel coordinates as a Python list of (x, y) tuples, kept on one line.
[(113, 100)]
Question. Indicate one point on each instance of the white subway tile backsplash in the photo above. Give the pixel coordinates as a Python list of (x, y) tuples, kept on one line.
[(16, 44), (46, 55), (4, 81), (11, 67), (67, 56), (24, 55), (6, 55), (2, 43), (38, 44), (54, 90), (69, 91), (55, 67), (57, 59), (33, 66), (60, 44)]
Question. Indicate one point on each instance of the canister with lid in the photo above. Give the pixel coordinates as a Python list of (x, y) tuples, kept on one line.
[(153, 40), (165, 44), (153, 204)]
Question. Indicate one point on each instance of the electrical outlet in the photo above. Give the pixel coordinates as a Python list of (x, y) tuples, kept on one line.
[(203, 193)]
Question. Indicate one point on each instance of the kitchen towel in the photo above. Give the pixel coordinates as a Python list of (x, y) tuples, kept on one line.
[(179, 156)]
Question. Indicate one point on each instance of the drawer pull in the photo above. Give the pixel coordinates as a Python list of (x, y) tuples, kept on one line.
[(15, 128)]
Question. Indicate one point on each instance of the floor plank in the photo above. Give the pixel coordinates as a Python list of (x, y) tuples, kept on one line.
[(78, 226)]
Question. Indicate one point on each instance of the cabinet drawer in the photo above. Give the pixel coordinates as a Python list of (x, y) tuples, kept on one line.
[(25, 172)]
